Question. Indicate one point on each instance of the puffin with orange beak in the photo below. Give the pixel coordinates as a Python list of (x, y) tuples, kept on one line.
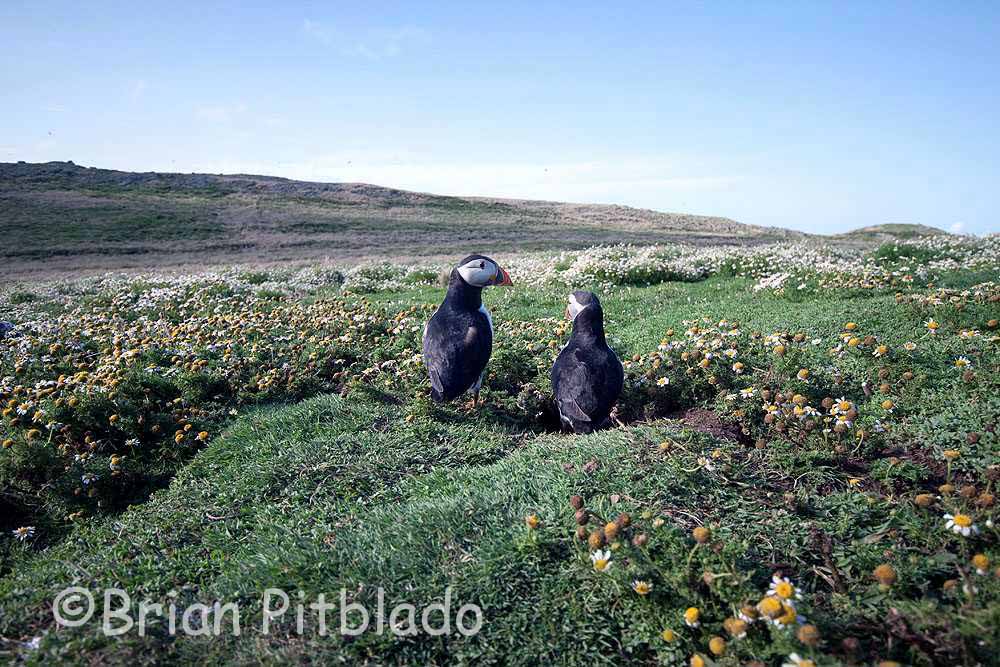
[(458, 339), (587, 377)]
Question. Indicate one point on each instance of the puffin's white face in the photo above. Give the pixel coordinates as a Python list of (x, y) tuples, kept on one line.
[(482, 273), (574, 308)]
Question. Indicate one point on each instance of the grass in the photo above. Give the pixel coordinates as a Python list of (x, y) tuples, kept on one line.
[(366, 484)]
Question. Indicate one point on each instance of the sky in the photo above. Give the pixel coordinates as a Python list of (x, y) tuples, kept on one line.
[(821, 117)]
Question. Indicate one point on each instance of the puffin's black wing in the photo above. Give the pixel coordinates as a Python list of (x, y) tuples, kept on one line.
[(457, 346), (586, 383)]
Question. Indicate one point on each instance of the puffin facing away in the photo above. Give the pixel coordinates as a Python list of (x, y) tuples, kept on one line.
[(587, 377), (458, 339)]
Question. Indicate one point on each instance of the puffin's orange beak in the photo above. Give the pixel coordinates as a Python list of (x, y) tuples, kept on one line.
[(503, 278)]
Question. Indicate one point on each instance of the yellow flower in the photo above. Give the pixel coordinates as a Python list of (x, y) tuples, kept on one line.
[(668, 635), (701, 534), (951, 454), (692, 616), (717, 645), (783, 589), (850, 326), (735, 627), (885, 574), (697, 660), (601, 560), (770, 606), (803, 374), (788, 615), (981, 562), (532, 521), (932, 326), (960, 524), (610, 530), (642, 587), (808, 634), (24, 532)]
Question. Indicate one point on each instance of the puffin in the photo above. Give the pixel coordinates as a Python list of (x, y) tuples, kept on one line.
[(587, 376), (458, 339)]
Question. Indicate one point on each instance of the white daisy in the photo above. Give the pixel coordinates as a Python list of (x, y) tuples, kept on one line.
[(24, 533), (795, 660), (960, 524), (782, 588), (601, 560)]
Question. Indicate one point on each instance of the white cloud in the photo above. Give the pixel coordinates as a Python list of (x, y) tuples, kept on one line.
[(372, 44), (957, 227), (317, 31), (54, 108)]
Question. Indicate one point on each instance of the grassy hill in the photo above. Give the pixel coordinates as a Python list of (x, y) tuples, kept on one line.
[(59, 217), (890, 232)]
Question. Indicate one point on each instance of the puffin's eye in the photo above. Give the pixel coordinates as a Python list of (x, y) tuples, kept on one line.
[(482, 265)]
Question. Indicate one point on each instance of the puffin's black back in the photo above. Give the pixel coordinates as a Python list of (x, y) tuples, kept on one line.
[(458, 339), (587, 377)]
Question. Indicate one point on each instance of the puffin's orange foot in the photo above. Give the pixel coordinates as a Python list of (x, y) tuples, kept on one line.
[(473, 403)]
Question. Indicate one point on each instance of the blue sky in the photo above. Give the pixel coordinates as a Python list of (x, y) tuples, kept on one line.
[(816, 116)]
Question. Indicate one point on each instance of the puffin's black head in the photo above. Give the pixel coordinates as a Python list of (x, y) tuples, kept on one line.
[(588, 318), (481, 271), (581, 301)]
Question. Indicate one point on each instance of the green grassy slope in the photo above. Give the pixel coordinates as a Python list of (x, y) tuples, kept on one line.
[(59, 218), (382, 489)]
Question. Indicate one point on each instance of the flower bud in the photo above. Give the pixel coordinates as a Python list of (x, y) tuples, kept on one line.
[(611, 530), (809, 634), (596, 539), (885, 574)]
